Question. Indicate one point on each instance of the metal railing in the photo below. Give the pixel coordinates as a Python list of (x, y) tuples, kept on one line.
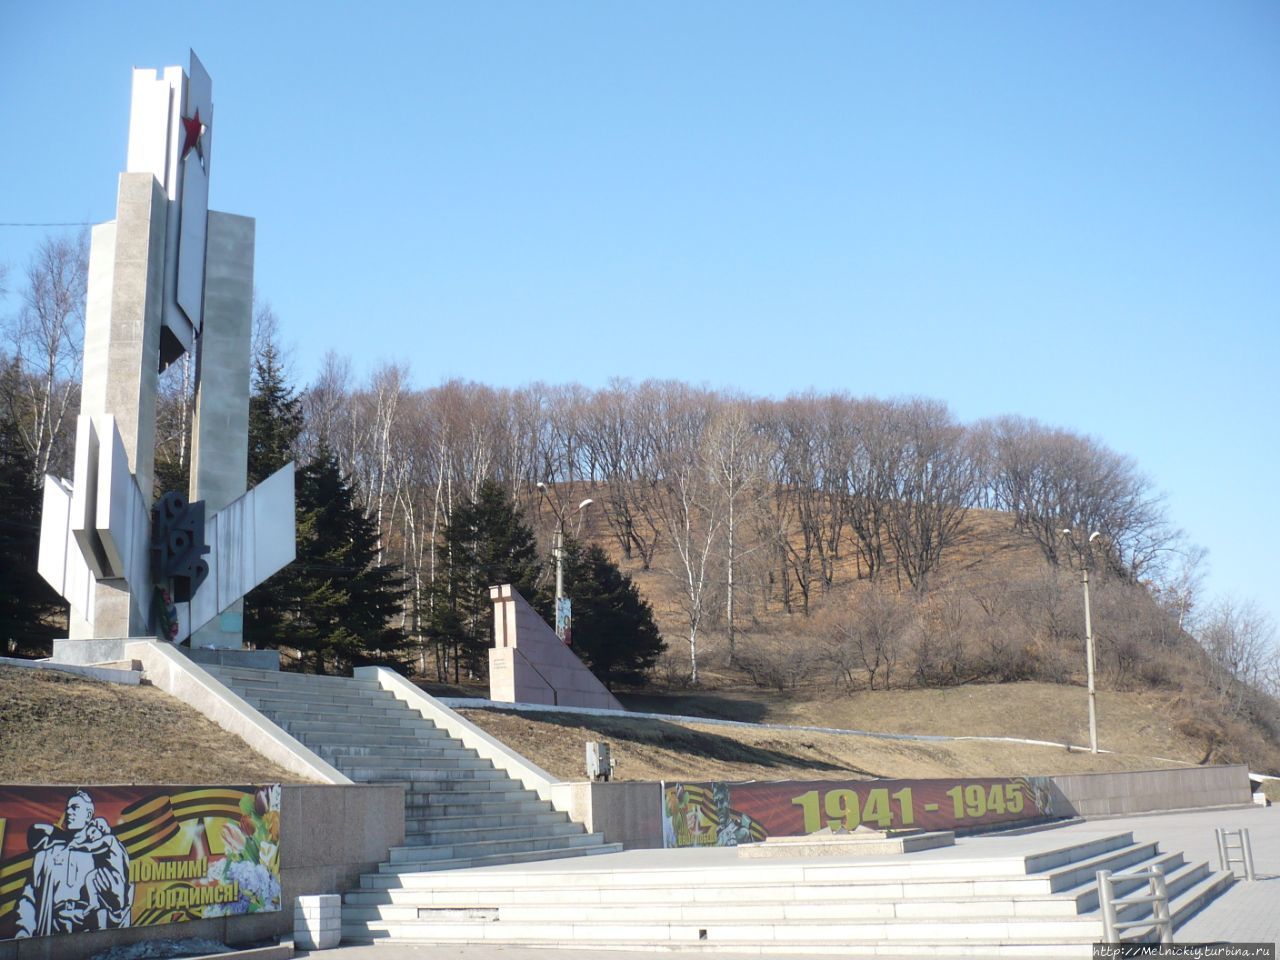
[(1157, 896), (1234, 847)]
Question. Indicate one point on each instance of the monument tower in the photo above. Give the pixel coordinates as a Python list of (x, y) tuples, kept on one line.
[(167, 276)]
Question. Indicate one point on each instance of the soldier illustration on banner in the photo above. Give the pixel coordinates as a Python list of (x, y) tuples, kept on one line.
[(80, 875)]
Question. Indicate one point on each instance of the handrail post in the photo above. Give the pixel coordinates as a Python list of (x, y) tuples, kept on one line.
[(1160, 907), (1227, 850), (1108, 907)]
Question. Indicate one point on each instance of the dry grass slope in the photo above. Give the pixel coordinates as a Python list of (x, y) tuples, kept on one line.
[(1131, 725), (59, 728)]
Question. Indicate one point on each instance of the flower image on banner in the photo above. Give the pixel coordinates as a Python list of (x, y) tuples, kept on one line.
[(96, 858)]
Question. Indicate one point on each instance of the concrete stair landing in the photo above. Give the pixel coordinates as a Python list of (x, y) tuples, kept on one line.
[(952, 902), (459, 810)]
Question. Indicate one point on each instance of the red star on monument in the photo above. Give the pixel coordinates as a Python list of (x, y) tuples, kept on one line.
[(194, 131)]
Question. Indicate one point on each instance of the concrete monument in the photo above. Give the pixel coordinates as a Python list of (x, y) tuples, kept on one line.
[(530, 664), (168, 276)]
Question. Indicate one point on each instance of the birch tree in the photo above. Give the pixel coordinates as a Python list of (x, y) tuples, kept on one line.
[(46, 339)]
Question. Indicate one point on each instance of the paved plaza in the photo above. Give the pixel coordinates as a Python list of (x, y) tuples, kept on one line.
[(1248, 912)]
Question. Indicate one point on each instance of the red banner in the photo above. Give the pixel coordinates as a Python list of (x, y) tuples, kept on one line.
[(74, 860), (728, 814)]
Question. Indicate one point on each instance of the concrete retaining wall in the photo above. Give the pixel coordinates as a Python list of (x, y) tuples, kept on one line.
[(1148, 791), (625, 811), (330, 835)]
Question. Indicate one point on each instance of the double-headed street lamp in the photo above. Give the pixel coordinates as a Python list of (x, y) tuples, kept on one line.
[(563, 611), (1088, 635)]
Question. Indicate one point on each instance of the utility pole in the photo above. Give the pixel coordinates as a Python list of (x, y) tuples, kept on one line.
[(1088, 637), (563, 604)]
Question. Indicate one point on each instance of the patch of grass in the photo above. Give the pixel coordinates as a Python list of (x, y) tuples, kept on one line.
[(60, 728)]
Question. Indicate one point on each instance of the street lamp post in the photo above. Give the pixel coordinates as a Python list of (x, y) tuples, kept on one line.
[(1088, 642), (557, 551)]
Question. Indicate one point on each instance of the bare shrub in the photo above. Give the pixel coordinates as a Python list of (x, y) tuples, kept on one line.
[(939, 638), (868, 636), (776, 662)]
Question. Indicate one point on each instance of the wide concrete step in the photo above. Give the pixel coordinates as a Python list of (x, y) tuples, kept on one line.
[(489, 784), (343, 697), (1198, 895), (765, 902), (368, 705), (1029, 949), (419, 790), (427, 824), (1085, 871), (432, 738), (1177, 872), (444, 759), (736, 932), (369, 729), (408, 857), (991, 877), (370, 709), (382, 881), (1072, 852), (377, 768), (405, 903), (452, 835), (404, 751), (282, 679), (448, 806)]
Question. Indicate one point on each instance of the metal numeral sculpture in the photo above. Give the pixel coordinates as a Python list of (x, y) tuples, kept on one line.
[(177, 545)]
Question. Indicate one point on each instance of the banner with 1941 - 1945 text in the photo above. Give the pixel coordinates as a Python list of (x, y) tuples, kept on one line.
[(729, 814)]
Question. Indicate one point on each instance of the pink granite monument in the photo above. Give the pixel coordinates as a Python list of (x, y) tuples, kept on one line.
[(530, 664)]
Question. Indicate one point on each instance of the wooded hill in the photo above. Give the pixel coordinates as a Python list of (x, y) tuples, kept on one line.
[(814, 539)]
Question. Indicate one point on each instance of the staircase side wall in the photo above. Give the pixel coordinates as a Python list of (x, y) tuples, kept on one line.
[(180, 677), (485, 745)]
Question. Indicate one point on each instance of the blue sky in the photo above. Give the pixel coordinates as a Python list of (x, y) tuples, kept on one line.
[(1065, 211)]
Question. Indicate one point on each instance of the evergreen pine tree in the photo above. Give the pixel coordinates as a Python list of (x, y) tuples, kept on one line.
[(486, 543), (275, 416), (614, 632), (275, 423), (29, 608), (339, 602)]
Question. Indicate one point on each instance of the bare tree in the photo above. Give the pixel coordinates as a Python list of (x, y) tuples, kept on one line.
[(932, 487), (622, 425), (798, 474), (869, 480), (1240, 640), (326, 404), (47, 339), (1054, 479), (736, 458), (386, 388), (1180, 589), (690, 504)]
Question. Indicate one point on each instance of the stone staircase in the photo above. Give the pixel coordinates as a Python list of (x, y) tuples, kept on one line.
[(459, 810), (954, 902)]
